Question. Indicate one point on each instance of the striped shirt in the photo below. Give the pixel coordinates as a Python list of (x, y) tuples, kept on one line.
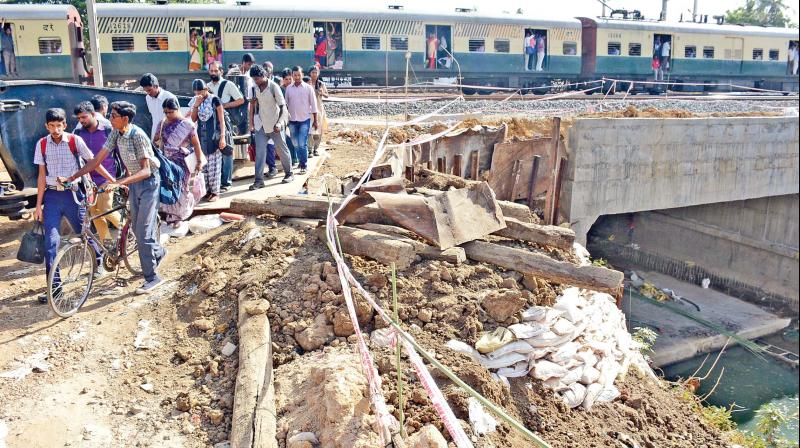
[(60, 160), (134, 145)]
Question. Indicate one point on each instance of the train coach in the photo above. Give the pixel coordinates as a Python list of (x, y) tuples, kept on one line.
[(364, 46), (48, 41)]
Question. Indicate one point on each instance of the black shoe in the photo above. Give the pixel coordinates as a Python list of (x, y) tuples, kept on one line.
[(272, 173), (287, 179), (225, 188), (43, 299), (256, 186), (315, 152)]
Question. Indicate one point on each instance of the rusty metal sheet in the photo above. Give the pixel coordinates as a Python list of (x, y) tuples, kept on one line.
[(505, 157)]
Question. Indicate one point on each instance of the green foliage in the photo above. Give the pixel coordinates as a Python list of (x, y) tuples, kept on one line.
[(718, 417), (770, 420), (645, 337), (760, 13), (600, 262)]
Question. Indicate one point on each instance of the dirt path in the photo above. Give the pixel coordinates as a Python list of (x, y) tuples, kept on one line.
[(87, 387)]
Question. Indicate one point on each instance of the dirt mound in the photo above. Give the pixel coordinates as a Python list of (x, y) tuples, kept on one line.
[(437, 302), (652, 112)]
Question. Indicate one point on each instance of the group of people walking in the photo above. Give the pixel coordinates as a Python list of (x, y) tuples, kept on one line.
[(285, 113)]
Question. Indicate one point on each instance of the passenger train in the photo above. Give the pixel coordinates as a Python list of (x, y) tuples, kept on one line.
[(382, 42)]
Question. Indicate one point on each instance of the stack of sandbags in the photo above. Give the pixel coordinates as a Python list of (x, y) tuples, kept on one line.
[(577, 348)]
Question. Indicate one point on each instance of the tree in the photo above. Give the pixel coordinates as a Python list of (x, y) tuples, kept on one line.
[(760, 13)]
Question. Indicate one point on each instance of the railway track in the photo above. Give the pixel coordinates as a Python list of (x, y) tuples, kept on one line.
[(344, 94)]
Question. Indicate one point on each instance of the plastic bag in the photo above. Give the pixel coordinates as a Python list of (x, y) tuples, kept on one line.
[(204, 223), (31, 249), (198, 186)]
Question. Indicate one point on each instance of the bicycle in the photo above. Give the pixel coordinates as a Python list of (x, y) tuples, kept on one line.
[(75, 265)]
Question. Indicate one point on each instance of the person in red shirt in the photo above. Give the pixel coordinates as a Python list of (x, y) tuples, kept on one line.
[(321, 52)]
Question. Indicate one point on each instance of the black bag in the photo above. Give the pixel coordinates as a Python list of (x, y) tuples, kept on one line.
[(31, 249)]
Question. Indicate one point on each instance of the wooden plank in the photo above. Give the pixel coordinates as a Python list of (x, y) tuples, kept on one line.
[(562, 168), (454, 255), (530, 263), (515, 172), (554, 160), (473, 165), (376, 246), (532, 181), (303, 206), (547, 235), (457, 159)]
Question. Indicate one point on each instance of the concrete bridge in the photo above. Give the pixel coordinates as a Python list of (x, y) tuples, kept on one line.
[(718, 193)]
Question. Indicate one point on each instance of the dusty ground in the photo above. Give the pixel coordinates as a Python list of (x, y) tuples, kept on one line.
[(91, 394)]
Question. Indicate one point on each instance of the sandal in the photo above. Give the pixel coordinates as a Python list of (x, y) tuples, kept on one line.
[(212, 197)]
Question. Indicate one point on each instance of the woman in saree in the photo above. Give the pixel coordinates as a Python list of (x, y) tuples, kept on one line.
[(196, 51), (209, 116), (315, 136), (174, 136)]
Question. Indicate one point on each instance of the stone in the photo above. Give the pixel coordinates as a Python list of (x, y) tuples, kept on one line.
[(442, 288), (215, 416), (203, 324), (255, 307), (635, 403), (377, 280), (427, 437), (214, 283), (228, 349), (147, 387), (316, 335), (184, 402), (302, 440), (509, 283), (184, 353), (530, 283), (425, 315), (500, 305), (342, 326)]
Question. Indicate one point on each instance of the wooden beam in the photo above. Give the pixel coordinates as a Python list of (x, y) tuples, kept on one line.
[(474, 169), (454, 255), (546, 235), (515, 172), (532, 183), (376, 246), (441, 165), (555, 133), (303, 206), (562, 167), (457, 159), (531, 263)]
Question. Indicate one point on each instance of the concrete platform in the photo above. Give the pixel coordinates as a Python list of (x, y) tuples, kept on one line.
[(680, 338), (243, 178)]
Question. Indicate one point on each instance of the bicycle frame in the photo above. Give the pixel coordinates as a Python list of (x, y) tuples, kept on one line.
[(86, 226)]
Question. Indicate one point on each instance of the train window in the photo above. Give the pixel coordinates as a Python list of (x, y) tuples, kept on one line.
[(708, 52), (502, 46), (284, 42), (122, 43), (570, 48), (614, 48), (253, 42), (634, 49), (49, 45), (758, 54), (477, 45), (370, 42), (157, 43), (398, 43), (690, 52), (774, 55)]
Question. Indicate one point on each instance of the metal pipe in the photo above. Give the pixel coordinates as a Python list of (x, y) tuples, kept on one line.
[(694, 11), (663, 16)]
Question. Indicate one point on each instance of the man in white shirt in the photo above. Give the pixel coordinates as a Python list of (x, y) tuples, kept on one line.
[(230, 96), (155, 100), (664, 62)]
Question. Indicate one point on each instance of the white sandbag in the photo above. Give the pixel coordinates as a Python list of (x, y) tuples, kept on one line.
[(607, 395), (491, 341), (592, 391), (563, 326), (482, 422), (544, 369), (516, 346), (555, 385), (462, 347), (602, 348), (590, 375), (503, 361), (609, 369), (204, 223), (623, 339), (501, 379), (535, 313), (573, 375), (582, 254), (517, 370), (527, 330), (571, 312), (565, 353), (549, 339), (573, 397), (587, 357), (538, 353), (570, 296), (177, 232)]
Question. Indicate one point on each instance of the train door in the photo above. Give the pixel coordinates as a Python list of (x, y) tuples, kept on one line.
[(329, 45), (537, 49), (734, 51), (438, 47), (205, 43), (662, 55), (792, 61)]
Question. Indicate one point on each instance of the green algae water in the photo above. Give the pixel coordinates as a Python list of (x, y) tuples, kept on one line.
[(749, 382)]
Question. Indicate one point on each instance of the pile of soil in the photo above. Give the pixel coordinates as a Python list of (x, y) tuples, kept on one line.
[(438, 302), (652, 112)]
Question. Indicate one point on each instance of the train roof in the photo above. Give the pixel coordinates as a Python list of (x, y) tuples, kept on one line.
[(692, 27), (330, 11), (36, 12)]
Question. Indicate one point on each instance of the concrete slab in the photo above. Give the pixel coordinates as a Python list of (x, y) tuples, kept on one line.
[(273, 187), (681, 338)]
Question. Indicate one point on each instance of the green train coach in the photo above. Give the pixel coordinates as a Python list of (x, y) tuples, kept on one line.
[(379, 43)]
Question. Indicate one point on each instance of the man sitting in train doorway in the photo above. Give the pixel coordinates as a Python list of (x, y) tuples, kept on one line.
[(8, 50)]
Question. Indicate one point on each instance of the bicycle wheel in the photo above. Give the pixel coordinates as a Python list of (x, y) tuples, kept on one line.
[(70, 278), (128, 250)]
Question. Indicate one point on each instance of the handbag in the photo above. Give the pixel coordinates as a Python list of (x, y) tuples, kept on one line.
[(197, 185), (31, 249)]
